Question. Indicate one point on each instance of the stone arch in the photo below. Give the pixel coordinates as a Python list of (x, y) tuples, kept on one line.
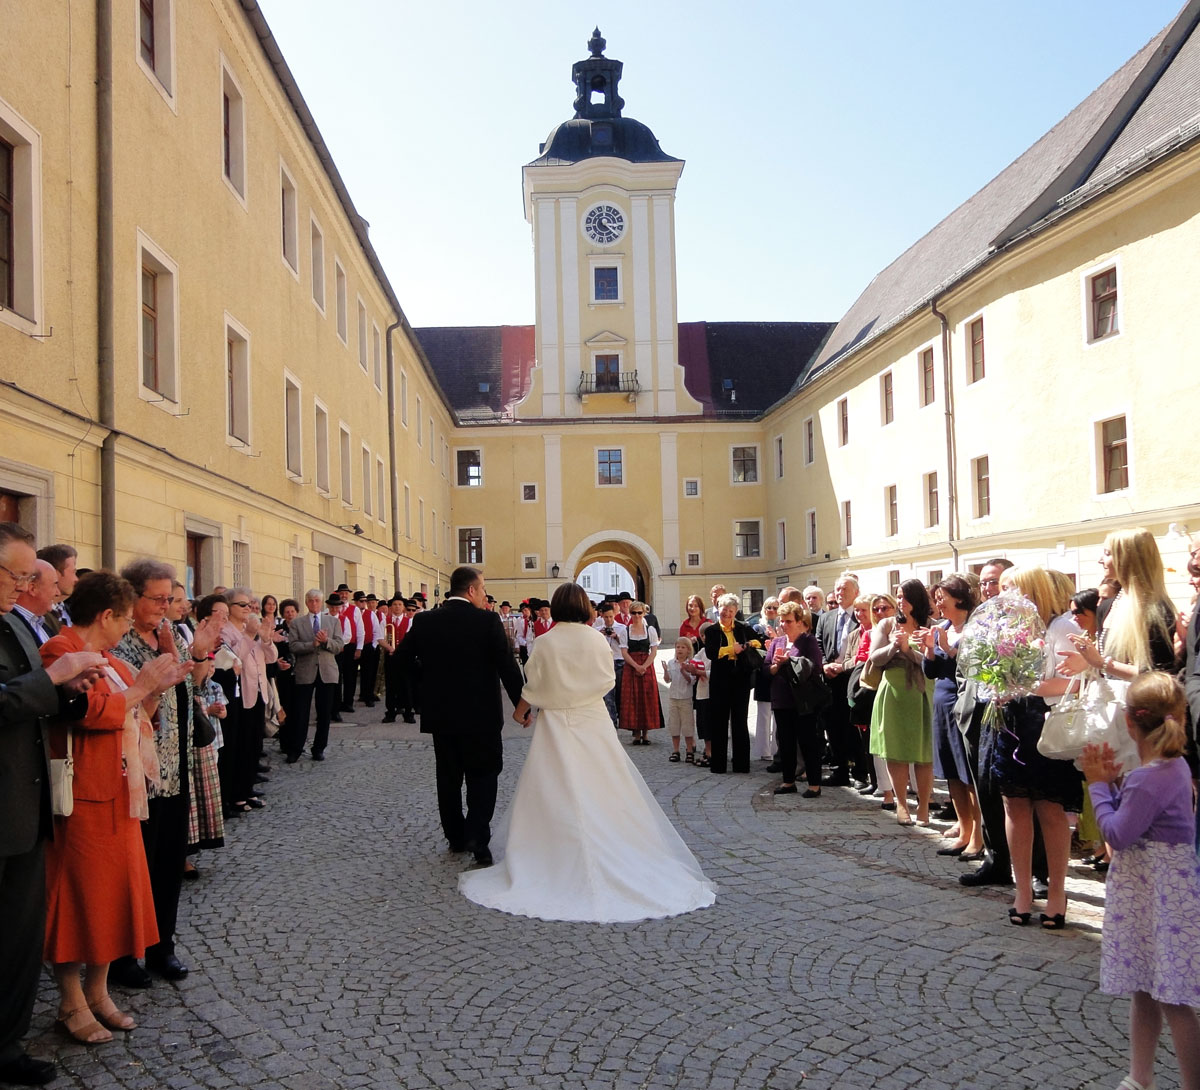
[(633, 553)]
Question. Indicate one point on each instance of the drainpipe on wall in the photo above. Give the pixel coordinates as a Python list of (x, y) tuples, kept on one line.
[(951, 453), (395, 490), (106, 378)]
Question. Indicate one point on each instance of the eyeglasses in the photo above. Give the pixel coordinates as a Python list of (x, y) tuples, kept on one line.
[(241, 605), (20, 580), (158, 599), (635, 613), (882, 608)]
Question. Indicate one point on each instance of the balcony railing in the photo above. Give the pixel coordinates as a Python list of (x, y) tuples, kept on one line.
[(626, 382)]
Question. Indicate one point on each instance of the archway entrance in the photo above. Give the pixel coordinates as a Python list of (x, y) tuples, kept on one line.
[(603, 572), (636, 559)]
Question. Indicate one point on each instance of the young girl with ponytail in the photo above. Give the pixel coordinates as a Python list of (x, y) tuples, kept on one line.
[(1151, 942)]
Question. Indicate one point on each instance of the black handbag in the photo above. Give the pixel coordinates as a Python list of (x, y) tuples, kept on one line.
[(203, 731), (809, 690)]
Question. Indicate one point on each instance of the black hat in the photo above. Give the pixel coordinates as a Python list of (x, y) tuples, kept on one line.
[(503, 604), (371, 598), (341, 587), (395, 598), (333, 600), (359, 596), (624, 596), (418, 596)]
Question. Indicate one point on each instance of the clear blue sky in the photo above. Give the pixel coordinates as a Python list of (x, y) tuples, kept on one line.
[(821, 139)]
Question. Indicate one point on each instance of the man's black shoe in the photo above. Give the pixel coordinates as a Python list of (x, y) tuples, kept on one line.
[(318, 756), (129, 974), (169, 967), (1041, 889), (483, 856), (335, 718), (987, 875), (389, 718), (774, 766), (260, 778), (368, 703), (410, 718), (291, 758), (347, 707), (838, 779), (457, 846), (26, 1071)]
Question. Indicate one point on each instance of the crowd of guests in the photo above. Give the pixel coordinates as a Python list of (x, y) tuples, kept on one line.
[(161, 708)]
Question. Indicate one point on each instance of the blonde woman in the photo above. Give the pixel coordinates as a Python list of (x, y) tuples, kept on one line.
[(1030, 783), (640, 708)]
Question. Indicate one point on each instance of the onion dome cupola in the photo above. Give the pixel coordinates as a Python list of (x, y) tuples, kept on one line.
[(598, 129)]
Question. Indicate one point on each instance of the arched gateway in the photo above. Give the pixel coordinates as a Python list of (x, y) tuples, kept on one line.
[(649, 579)]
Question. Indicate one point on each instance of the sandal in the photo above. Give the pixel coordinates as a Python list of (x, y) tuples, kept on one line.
[(108, 1014), (691, 757), (702, 762), (1130, 1083), (86, 1031), (1057, 922), (674, 758), (1019, 919)]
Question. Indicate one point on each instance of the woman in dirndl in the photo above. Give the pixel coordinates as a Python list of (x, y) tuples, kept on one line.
[(640, 708)]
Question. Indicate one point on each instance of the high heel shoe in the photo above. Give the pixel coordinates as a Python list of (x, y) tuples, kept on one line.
[(1019, 919), (87, 1031), (1057, 922), (108, 1014)]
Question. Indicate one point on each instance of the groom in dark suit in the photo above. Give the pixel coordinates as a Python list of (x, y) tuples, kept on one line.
[(464, 657)]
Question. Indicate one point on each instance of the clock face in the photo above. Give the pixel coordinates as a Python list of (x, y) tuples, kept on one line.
[(604, 224)]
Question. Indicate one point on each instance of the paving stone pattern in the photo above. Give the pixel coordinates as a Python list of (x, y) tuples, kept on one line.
[(330, 948)]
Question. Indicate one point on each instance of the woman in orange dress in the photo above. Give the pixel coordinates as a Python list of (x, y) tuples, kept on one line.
[(98, 901)]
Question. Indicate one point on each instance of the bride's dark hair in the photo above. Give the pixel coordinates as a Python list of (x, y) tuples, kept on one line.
[(571, 603)]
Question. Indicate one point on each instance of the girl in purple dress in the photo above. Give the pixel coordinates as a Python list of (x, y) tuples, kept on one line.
[(1151, 943)]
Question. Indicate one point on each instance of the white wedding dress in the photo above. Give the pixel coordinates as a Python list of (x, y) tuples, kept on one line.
[(584, 839)]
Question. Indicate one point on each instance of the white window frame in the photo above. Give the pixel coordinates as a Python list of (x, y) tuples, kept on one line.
[(810, 532), (235, 180), (596, 466), (780, 466), (404, 397), (316, 253), (421, 521), (232, 325), (781, 540), (463, 450), (528, 484), (734, 528), (376, 356), (341, 302), (921, 402), (1098, 450), (420, 432), (26, 314), (381, 508), (968, 358), (289, 221), (345, 463), (606, 261), (482, 544), (366, 463), (976, 516), (887, 392), (888, 531), (293, 430), (1085, 289), (687, 559), (168, 321), (842, 407), (363, 348), (808, 440), (407, 512), (531, 569), (930, 522), (757, 448), (321, 473), (432, 460), (162, 75), (696, 482), (846, 513)]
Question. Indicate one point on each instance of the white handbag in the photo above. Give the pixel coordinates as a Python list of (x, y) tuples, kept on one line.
[(1092, 715), (62, 780)]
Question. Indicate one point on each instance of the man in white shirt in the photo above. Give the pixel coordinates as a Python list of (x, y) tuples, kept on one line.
[(34, 602), (350, 617), (617, 636)]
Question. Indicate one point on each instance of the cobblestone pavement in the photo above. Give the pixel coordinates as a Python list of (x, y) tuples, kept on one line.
[(330, 949)]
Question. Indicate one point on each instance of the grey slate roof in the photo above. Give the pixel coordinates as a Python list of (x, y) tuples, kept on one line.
[(1135, 106)]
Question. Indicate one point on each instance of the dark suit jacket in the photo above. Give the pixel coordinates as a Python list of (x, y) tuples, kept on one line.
[(26, 698), (826, 633), (723, 674), (464, 657)]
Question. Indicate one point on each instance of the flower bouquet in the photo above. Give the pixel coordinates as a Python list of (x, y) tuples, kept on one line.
[(1003, 650)]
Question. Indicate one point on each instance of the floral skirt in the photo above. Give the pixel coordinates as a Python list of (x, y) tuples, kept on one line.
[(1151, 940)]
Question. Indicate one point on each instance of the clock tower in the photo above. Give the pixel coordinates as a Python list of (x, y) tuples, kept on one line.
[(600, 199)]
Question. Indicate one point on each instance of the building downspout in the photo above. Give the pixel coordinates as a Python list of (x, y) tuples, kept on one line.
[(951, 453), (395, 487), (105, 364)]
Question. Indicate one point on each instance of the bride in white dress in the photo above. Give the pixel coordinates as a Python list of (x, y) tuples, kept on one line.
[(585, 839)]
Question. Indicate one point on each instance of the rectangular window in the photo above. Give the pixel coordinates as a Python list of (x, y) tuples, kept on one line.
[(975, 369), (380, 491), (927, 386), (366, 481), (407, 513), (781, 540), (431, 443), (810, 521), (529, 562), (420, 433), (376, 357), (321, 437), (318, 266), (810, 441), (7, 224), (155, 46), (339, 289), (421, 521), (529, 493), (237, 384), (606, 284), (1104, 304), (609, 469), (158, 335), (843, 411), (746, 538), (287, 214), (935, 576), (693, 560), (241, 563), (752, 601), (887, 411), (1114, 445), (470, 545), (745, 465), (608, 374), (893, 580), (983, 487), (362, 335), (233, 133), (691, 487), (150, 330), (404, 398), (291, 419), (779, 457), (891, 510), (847, 526), (146, 30), (347, 483), (470, 468), (932, 508), (298, 587)]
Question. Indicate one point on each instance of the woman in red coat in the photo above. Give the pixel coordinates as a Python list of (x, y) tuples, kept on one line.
[(98, 901)]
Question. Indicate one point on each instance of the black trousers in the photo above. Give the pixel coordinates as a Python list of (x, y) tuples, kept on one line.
[(22, 936), (397, 687), (348, 668), (324, 693), (251, 722), (845, 744), (367, 666), (164, 835), (791, 730), (728, 707), (991, 803), (476, 762)]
